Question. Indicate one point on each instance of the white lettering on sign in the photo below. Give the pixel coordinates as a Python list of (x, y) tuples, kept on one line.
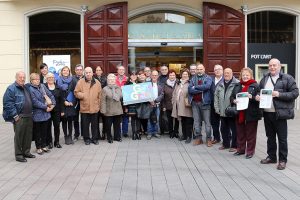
[(261, 56)]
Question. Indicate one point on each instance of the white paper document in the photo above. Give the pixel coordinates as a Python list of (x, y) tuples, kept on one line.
[(265, 98), (242, 100)]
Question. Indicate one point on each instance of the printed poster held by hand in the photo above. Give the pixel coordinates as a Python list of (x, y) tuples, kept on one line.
[(265, 98), (242, 100), (137, 93)]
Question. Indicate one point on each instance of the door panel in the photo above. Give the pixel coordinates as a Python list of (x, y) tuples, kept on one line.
[(106, 37), (223, 37)]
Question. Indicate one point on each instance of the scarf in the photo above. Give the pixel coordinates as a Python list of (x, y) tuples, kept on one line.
[(64, 82), (171, 83), (115, 96), (245, 86)]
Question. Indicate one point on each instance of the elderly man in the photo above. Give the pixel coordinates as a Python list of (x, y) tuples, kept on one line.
[(285, 91), (78, 75), (221, 101), (88, 91), (200, 98), (215, 117), (17, 108)]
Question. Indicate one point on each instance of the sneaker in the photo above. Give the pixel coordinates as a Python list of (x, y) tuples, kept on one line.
[(215, 141), (149, 137), (156, 135), (46, 150), (40, 151)]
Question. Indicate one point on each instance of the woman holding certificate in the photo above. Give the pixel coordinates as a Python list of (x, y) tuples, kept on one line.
[(247, 119)]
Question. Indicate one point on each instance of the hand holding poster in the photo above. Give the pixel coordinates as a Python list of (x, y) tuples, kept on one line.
[(242, 101), (265, 98), (137, 93)]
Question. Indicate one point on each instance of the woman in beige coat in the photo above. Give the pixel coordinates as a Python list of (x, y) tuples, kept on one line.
[(111, 107), (182, 110)]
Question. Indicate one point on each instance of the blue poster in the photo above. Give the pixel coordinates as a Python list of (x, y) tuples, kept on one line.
[(137, 93)]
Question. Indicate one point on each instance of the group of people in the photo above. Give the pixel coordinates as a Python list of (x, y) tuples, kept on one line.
[(194, 99)]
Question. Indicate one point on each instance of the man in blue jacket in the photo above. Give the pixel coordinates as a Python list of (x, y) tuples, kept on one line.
[(200, 98), (17, 108)]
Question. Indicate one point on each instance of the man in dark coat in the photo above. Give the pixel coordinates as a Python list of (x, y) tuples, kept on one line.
[(17, 108), (284, 92)]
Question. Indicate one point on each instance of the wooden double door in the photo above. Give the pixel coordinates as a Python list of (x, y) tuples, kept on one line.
[(106, 37)]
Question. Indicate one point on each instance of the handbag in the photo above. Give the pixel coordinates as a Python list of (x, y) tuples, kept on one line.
[(231, 111), (187, 102), (48, 101)]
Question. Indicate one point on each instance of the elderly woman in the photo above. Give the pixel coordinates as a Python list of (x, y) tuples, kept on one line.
[(111, 107), (43, 103), (167, 106), (247, 120), (67, 84), (182, 110), (55, 113)]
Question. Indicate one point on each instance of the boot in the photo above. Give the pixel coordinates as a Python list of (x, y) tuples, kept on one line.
[(67, 141), (134, 136), (70, 139)]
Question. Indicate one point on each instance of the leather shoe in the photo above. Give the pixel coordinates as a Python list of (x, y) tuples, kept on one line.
[(267, 161), (110, 141), (238, 153), (197, 141), (248, 156), (188, 140), (22, 159), (57, 145), (87, 142), (96, 142), (50, 146), (281, 165), (215, 141), (29, 156)]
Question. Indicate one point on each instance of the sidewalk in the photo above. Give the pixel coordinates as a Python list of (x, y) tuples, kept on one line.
[(148, 169)]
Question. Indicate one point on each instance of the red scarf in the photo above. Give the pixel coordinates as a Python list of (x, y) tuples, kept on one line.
[(245, 86)]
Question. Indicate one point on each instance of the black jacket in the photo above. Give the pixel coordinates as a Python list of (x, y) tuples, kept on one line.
[(58, 95), (253, 112), (288, 92)]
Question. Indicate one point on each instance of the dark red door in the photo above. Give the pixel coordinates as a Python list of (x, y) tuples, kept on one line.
[(106, 37), (223, 37)]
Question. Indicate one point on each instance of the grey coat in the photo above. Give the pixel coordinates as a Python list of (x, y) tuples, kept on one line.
[(109, 106), (222, 99), (178, 102)]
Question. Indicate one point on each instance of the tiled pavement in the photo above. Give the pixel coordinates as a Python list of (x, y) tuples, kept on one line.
[(156, 169)]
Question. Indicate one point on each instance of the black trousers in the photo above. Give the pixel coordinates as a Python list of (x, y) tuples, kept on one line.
[(275, 127), (215, 123), (228, 129), (67, 125), (173, 127), (40, 132), (87, 120), (143, 125), (116, 122), (76, 124), (101, 117), (55, 120), (187, 127), (23, 136), (135, 124)]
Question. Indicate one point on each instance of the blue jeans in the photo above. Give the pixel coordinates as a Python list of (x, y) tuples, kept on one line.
[(201, 113), (125, 121), (152, 128)]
